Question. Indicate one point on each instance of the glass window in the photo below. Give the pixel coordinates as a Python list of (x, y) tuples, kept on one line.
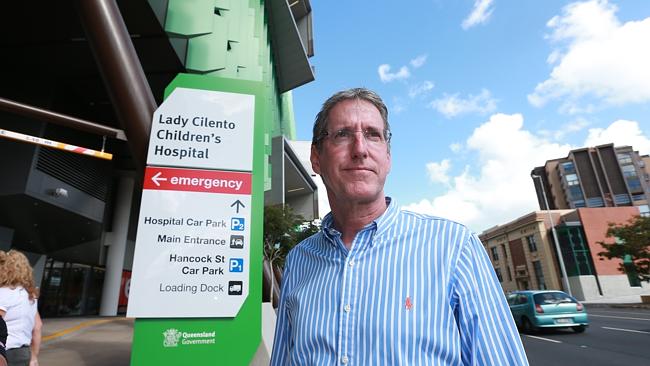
[(532, 243), (505, 253), (634, 184), (539, 275), (579, 203), (549, 298), (575, 193), (624, 158), (568, 167), (644, 210), (522, 299), (495, 253), (572, 179), (498, 272), (628, 170)]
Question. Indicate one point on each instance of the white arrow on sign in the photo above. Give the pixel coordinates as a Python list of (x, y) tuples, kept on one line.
[(157, 178)]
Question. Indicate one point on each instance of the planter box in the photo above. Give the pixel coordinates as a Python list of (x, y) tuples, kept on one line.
[(645, 299)]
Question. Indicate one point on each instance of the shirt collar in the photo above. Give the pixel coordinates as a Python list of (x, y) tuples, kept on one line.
[(382, 222)]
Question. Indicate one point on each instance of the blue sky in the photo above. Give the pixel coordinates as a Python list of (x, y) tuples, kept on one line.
[(481, 91)]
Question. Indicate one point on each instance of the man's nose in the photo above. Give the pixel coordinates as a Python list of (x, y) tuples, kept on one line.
[(359, 144)]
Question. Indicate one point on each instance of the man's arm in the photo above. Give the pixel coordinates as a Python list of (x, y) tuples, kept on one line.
[(36, 340), (488, 333), (280, 355)]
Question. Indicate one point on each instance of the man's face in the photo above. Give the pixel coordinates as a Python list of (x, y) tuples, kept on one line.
[(356, 171)]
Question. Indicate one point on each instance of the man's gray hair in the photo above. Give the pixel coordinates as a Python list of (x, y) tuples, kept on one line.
[(320, 125)]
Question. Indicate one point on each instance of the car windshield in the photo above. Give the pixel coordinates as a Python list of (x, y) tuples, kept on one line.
[(547, 298)]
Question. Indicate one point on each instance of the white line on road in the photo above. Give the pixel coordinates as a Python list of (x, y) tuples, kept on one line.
[(543, 339), (619, 317), (600, 311), (627, 330)]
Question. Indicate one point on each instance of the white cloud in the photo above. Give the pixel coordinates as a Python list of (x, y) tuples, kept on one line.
[(595, 57), (386, 76), (456, 147), (438, 171), (621, 133), (452, 105), (480, 14), (568, 128), (498, 189), (418, 61), (420, 89), (502, 190)]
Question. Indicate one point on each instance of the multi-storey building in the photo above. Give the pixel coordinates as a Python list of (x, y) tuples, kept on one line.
[(524, 256), (601, 176)]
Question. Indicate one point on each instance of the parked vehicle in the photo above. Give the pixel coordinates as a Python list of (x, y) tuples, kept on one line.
[(533, 310)]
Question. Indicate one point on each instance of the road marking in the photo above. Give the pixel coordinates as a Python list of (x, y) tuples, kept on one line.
[(612, 312), (619, 317), (627, 330), (76, 328), (543, 339)]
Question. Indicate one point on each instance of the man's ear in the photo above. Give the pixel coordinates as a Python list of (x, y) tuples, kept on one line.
[(315, 159)]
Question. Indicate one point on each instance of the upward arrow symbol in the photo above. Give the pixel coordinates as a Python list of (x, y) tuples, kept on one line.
[(237, 205)]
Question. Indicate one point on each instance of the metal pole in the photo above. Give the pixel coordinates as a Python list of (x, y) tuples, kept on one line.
[(565, 277), (59, 119), (121, 70)]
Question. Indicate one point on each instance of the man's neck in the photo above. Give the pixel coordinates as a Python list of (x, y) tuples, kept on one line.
[(350, 217)]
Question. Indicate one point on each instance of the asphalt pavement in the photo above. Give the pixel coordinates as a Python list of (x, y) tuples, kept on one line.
[(615, 336)]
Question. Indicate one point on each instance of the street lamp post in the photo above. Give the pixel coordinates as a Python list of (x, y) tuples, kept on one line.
[(565, 277)]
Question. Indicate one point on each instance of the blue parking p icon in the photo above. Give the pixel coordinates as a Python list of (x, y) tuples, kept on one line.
[(237, 224), (236, 265)]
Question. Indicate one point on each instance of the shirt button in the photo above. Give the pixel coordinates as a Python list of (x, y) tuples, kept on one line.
[(351, 263), (344, 360), (347, 308)]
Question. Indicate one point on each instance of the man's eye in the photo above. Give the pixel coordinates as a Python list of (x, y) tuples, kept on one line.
[(373, 135), (342, 134)]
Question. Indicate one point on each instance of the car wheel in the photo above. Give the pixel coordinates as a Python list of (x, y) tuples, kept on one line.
[(579, 328), (528, 326)]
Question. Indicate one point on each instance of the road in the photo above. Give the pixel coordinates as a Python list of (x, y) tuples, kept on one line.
[(614, 337)]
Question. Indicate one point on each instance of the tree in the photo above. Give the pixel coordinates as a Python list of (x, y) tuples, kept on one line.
[(632, 246), (283, 229)]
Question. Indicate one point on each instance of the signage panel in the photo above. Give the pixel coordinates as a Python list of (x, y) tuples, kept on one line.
[(193, 244), (203, 129)]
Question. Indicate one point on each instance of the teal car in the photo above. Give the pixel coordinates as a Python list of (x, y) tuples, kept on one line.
[(533, 310)]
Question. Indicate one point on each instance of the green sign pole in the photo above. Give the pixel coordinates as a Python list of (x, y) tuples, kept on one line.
[(231, 341)]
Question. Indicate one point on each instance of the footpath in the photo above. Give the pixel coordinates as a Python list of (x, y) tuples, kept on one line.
[(80, 341)]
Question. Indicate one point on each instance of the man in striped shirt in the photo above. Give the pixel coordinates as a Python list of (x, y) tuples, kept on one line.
[(381, 286)]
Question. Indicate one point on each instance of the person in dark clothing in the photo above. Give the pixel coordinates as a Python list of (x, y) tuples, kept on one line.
[(3, 341)]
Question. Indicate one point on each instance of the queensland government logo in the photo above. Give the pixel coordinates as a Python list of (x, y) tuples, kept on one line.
[(171, 337)]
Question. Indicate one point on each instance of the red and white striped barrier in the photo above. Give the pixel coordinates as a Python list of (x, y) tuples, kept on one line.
[(54, 144)]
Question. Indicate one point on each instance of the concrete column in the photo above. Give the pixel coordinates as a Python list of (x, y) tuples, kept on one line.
[(117, 247), (39, 268), (6, 236)]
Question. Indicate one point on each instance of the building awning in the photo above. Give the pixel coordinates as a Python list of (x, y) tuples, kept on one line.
[(291, 183), (290, 51)]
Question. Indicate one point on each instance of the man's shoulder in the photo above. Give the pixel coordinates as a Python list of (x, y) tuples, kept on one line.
[(309, 244), (406, 214)]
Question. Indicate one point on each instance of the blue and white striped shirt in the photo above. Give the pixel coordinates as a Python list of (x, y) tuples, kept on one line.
[(413, 290)]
